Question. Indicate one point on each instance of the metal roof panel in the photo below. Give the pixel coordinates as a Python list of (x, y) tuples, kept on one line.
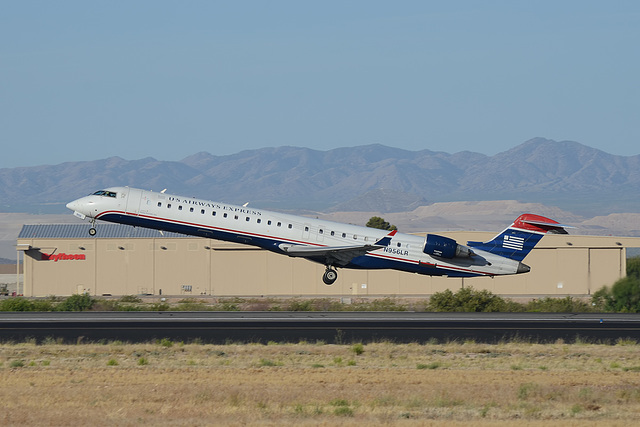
[(81, 231)]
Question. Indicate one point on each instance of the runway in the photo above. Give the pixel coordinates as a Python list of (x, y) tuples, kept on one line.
[(329, 327)]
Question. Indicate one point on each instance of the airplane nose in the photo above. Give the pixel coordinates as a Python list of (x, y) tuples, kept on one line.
[(80, 207), (75, 205)]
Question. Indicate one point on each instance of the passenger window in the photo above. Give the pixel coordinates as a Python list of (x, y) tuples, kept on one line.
[(290, 226), (202, 211), (225, 215), (168, 205), (190, 209), (179, 207), (320, 231), (355, 237), (333, 233), (344, 234), (269, 222), (259, 221), (159, 204), (213, 213), (235, 217), (279, 224), (306, 229), (247, 219), (399, 244)]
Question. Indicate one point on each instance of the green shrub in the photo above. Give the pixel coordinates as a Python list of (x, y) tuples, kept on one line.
[(633, 266), (166, 342), (443, 301), (191, 305), (467, 300), (558, 305), (358, 348), (267, 362), (17, 363), (379, 223), (297, 305), (624, 296), (383, 304), (43, 305), (106, 305), (24, 304), (77, 302), (599, 299), (159, 306), (343, 411), (130, 299), (432, 365), (16, 304), (229, 306)]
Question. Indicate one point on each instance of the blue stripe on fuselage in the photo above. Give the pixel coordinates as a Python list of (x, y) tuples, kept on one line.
[(365, 262), (196, 230)]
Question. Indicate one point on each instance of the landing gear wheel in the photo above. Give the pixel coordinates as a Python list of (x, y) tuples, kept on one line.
[(92, 230), (329, 276)]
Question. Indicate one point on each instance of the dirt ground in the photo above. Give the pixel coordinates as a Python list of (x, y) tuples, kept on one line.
[(167, 383)]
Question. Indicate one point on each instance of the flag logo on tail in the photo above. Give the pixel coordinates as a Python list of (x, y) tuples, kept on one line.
[(513, 242)]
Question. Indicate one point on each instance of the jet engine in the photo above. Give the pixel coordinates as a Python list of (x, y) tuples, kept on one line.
[(444, 247)]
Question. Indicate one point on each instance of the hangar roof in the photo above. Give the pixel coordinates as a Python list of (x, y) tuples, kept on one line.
[(81, 231)]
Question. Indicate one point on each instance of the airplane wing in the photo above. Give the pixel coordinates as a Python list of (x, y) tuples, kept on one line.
[(336, 255)]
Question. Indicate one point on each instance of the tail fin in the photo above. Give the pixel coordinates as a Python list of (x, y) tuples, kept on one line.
[(520, 237)]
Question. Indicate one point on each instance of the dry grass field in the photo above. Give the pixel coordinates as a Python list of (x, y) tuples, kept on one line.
[(167, 383)]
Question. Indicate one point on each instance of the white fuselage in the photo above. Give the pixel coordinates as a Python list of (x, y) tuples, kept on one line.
[(274, 231)]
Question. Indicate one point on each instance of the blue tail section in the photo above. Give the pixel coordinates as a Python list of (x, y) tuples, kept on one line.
[(520, 238), (514, 244)]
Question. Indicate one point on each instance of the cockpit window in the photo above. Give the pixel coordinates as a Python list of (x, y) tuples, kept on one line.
[(104, 193)]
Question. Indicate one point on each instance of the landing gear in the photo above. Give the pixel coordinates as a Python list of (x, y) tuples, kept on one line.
[(92, 230), (330, 276)]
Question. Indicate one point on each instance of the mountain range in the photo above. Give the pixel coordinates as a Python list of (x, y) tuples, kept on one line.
[(566, 174)]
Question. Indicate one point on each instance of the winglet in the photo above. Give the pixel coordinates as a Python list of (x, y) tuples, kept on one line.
[(539, 224), (386, 240)]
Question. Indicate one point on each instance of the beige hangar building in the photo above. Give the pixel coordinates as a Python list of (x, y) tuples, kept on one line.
[(123, 260)]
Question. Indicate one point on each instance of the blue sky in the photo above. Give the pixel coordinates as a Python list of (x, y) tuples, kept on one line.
[(88, 80)]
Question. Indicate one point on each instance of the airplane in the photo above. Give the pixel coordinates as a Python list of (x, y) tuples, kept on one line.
[(333, 244)]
